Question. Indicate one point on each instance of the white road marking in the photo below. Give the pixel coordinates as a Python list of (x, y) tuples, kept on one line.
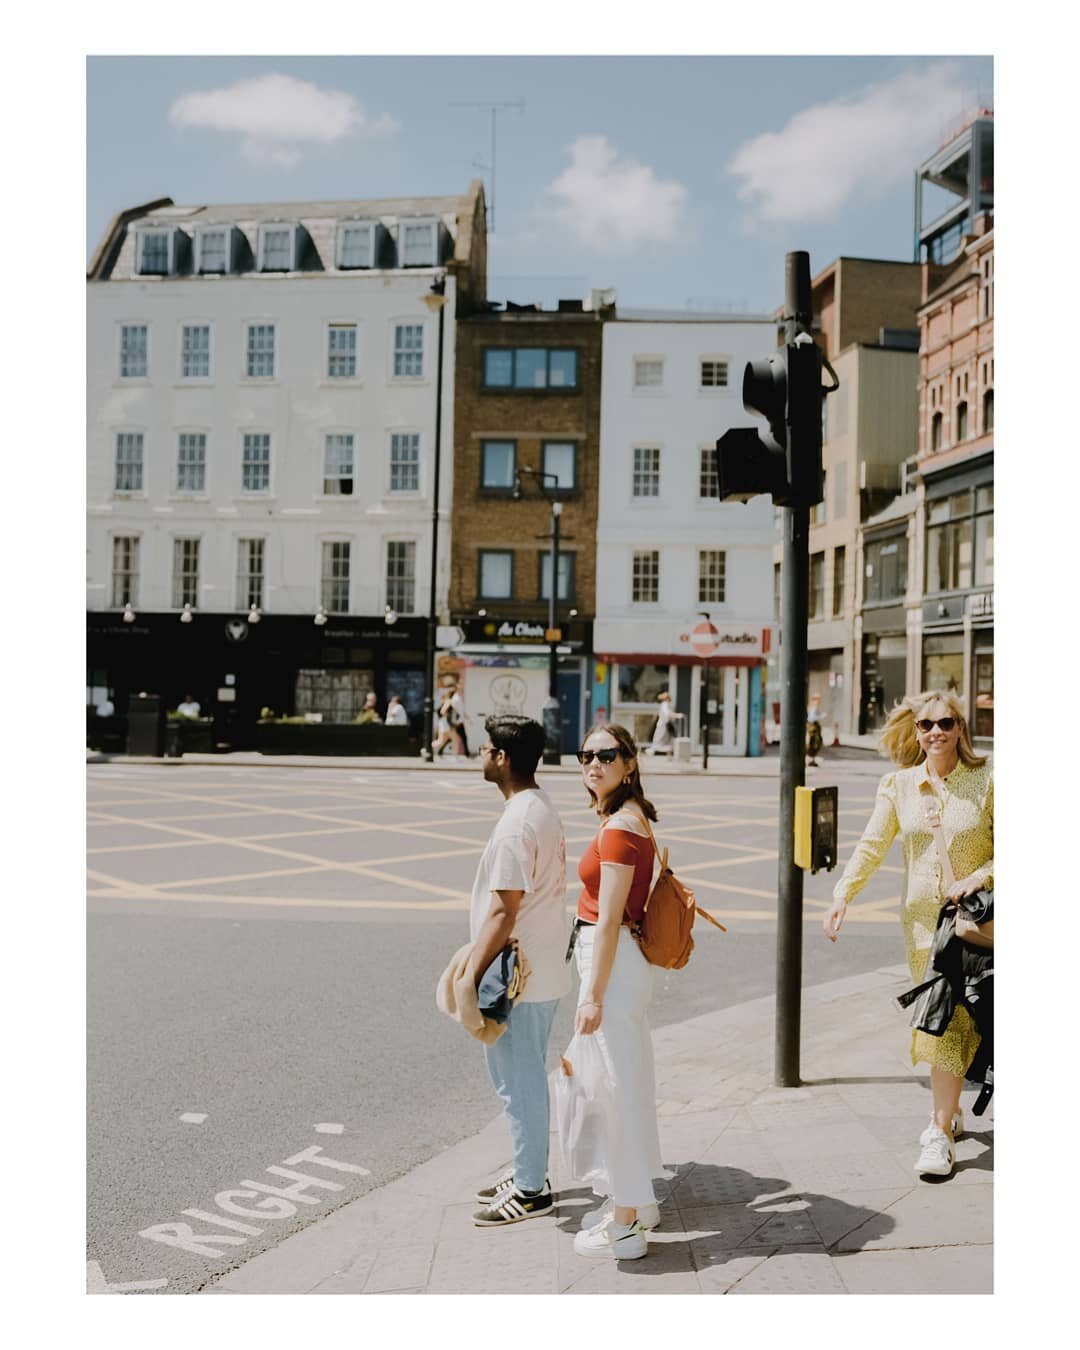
[(193, 1118), (96, 1283), (270, 1202), (329, 1129)]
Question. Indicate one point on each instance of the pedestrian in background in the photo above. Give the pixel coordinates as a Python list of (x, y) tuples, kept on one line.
[(369, 713), (520, 892), (940, 782), (663, 737), (189, 707), (396, 716), (616, 988), (456, 718)]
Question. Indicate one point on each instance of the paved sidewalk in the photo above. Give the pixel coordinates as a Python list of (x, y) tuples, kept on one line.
[(804, 1190)]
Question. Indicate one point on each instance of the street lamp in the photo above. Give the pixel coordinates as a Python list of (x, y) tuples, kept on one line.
[(390, 615), (254, 614), (186, 615), (552, 707), (320, 615), (129, 613), (703, 704), (435, 300)]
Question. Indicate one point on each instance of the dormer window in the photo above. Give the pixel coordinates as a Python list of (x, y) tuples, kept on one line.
[(277, 248), (214, 250), (158, 252), (356, 244), (418, 243)]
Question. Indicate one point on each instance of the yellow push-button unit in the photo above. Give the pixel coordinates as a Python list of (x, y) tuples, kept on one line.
[(816, 812)]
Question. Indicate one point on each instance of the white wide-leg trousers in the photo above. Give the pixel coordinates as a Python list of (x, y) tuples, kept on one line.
[(633, 1153)]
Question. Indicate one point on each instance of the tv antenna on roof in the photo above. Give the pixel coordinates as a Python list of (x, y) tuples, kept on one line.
[(494, 109)]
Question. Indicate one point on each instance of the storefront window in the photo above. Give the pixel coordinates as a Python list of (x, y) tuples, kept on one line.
[(943, 663), (984, 550), (960, 541), (641, 684), (338, 695), (983, 723), (885, 570)]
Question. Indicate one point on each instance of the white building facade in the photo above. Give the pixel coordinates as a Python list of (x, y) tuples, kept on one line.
[(671, 557), (261, 443)]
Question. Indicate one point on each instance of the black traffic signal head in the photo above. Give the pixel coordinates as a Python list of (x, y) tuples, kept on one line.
[(785, 461), (764, 393)]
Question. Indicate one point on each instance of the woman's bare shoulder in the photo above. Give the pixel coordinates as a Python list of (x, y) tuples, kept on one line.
[(628, 820)]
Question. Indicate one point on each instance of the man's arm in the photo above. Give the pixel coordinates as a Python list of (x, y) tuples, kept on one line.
[(494, 932)]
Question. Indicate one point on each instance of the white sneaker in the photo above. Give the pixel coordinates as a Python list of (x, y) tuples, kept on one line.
[(938, 1157), (957, 1128), (615, 1241), (648, 1216)]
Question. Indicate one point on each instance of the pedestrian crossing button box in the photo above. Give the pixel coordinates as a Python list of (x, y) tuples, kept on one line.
[(816, 813)]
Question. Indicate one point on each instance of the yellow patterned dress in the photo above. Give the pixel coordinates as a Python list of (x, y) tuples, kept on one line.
[(966, 803)]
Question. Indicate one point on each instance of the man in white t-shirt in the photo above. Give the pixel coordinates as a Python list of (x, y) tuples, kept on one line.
[(520, 892)]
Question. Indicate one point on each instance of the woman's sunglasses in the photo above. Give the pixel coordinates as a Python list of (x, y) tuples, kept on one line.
[(608, 756), (945, 723)]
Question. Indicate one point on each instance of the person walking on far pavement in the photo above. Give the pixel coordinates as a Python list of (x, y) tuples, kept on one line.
[(443, 734), (520, 892), (456, 718), (663, 737), (616, 986), (814, 740), (189, 707), (941, 786)]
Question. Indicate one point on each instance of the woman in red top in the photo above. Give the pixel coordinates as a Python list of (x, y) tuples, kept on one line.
[(616, 987)]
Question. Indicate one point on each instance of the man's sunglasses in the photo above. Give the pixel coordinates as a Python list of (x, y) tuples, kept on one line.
[(945, 723), (608, 756)]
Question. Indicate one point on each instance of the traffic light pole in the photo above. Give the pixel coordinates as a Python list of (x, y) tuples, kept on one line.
[(794, 615), (794, 607)]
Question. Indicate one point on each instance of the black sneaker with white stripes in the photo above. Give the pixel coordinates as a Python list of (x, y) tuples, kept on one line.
[(504, 1183), (512, 1206)]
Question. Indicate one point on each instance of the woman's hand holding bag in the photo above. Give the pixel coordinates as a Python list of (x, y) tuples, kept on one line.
[(584, 1110)]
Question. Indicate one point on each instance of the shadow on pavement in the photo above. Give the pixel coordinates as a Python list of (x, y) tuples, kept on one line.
[(726, 1213)]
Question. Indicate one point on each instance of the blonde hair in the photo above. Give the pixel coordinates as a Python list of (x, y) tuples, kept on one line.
[(899, 741)]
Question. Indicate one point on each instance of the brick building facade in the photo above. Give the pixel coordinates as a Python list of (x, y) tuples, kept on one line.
[(527, 397), (956, 477)]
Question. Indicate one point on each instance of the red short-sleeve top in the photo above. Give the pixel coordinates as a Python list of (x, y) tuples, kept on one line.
[(616, 845)]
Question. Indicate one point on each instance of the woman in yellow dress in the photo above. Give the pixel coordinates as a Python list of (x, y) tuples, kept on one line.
[(940, 781)]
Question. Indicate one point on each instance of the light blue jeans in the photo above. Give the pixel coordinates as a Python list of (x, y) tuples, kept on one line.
[(517, 1063)]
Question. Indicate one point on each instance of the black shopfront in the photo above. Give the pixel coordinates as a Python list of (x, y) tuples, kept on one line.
[(242, 673)]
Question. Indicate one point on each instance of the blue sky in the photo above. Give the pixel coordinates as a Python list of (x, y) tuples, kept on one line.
[(680, 181)]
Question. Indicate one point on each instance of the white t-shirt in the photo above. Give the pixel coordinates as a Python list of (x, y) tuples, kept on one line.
[(527, 852)]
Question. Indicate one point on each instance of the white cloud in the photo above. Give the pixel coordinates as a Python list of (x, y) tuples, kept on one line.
[(863, 143), (604, 199), (278, 116)]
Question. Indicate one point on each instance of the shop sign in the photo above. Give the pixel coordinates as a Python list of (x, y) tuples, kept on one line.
[(708, 640)]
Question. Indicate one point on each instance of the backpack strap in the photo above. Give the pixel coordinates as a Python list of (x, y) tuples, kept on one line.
[(663, 856)]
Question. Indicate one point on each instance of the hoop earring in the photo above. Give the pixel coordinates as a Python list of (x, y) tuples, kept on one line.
[(626, 781)]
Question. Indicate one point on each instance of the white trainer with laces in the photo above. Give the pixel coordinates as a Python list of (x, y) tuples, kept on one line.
[(613, 1241), (957, 1128), (938, 1157), (647, 1215)]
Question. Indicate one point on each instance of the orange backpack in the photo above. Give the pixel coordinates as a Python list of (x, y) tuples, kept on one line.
[(664, 930)]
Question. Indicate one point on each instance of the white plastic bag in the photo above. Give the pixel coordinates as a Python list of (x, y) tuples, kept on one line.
[(584, 1107)]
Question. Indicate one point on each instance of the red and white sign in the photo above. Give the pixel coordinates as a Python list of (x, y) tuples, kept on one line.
[(705, 639)]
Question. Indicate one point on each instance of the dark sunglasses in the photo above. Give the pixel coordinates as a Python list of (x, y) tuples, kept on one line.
[(945, 723), (608, 756)]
